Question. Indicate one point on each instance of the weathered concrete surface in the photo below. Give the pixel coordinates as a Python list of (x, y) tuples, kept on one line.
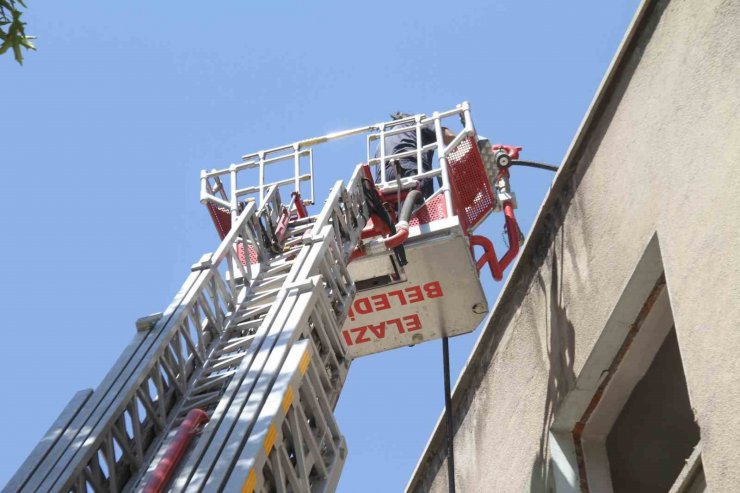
[(659, 153)]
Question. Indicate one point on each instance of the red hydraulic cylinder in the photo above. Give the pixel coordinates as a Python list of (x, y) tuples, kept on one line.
[(489, 253), (185, 433), (300, 207), (285, 215)]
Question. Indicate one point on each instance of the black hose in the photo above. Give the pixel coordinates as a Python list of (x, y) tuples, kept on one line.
[(375, 204), (449, 421), (407, 208), (534, 164)]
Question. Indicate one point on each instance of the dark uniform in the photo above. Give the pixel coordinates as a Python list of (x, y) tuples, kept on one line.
[(406, 141)]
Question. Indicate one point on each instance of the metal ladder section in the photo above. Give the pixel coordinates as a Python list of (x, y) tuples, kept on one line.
[(255, 346), (273, 429)]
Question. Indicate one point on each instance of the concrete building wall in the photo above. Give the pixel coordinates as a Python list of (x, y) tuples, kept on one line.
[(649, 190)]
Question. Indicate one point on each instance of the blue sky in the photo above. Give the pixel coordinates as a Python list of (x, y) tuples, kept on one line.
[(106, 127)]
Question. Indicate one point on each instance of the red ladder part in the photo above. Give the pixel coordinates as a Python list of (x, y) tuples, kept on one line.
[(185, 433)]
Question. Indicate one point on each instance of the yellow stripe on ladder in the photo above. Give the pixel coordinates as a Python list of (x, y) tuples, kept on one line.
[(270, 438), (305, 360), (250, 482), (288, 399)]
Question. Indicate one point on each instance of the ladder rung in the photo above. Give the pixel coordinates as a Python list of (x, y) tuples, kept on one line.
[(200, 402), (224, 363), (235, 344), (303, 221), (264, 285), (267, 296), (253, 311), (212, 381), (278, 266)]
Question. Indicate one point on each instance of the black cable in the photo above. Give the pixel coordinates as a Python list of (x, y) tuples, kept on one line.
[(450, 433), (375, 206), (534, 164)]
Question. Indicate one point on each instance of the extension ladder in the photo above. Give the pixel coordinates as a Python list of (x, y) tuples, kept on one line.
[(233, 386)]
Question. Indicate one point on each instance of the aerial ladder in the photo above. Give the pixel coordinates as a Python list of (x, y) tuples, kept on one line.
[(233, 386)]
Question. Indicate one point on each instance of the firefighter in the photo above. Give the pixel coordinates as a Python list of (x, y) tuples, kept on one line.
[(406, 141)]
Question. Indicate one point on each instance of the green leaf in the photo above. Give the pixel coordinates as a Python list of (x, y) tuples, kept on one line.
[(25, 42), (12, 29), (18, 54)]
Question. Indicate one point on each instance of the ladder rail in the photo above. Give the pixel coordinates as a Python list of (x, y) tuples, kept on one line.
[(346, 211), (207, 389), (251, 394), (132, 404), (283, 429), (312, 304), (219, 427)]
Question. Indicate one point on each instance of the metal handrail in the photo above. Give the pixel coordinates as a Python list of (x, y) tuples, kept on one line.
[(303, 149)]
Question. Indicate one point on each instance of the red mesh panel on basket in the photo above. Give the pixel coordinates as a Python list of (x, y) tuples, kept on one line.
[(253, 258), (471, 191), (221, 219), (251, 253), (431, 211)]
